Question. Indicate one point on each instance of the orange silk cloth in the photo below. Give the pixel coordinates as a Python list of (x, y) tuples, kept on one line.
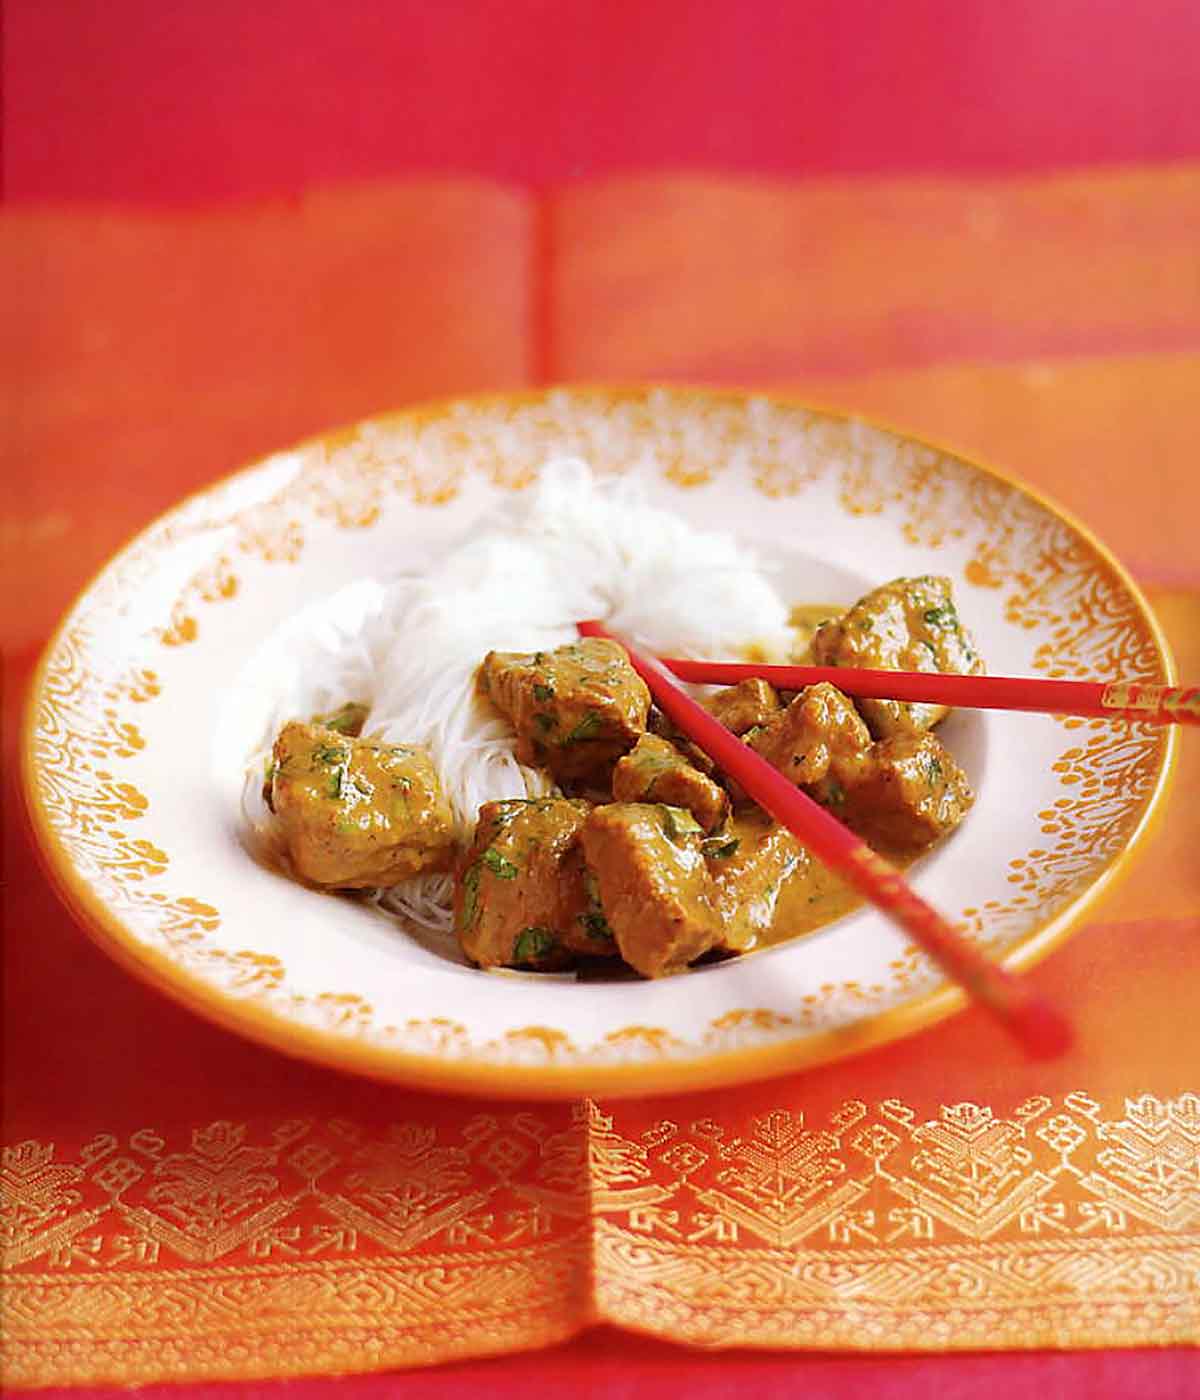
[(180, 1204)]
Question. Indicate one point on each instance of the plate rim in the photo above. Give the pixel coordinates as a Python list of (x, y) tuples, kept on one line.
[(475, 1075)]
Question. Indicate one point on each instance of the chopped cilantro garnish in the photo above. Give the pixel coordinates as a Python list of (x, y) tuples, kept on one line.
[(649, 770), (587, 728), (678, 822), (592, 886), (648, 762), (268, 788), (941, 617), (470, 904), (532, 944), (543, 692), (544, 722), (502, 868), (721, 847), (346, 720), (596, 926), (512, 807)]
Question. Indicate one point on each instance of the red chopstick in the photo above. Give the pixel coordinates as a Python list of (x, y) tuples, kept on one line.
[(1033, 1021), (1132, 700)]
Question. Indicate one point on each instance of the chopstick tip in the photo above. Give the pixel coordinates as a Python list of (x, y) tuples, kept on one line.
[(1045, 1032)]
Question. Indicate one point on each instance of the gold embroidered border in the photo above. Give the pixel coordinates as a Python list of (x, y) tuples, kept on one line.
[(249, 1323), (231, 1250), (1070, 1294)]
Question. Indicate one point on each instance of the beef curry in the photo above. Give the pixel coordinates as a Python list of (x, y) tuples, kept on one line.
[(647, 855)]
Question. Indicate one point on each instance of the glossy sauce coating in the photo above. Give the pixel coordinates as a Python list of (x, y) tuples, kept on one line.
[(910, 624), (356, 813), (522, 897), (575, 709), (655, 771), (769, 888), (653, 883)]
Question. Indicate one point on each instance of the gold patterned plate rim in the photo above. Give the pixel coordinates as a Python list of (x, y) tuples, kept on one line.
[(539, 1060)]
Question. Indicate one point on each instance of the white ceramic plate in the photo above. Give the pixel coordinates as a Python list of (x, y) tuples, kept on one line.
[(147, 697)]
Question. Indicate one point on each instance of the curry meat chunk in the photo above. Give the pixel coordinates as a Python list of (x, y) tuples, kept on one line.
[(819, 731), (900, 793), (522, 897), (654, 884), (347, 719), (661, 725), (355, 813), (909, 794), (655, 771), (751, 861), (910, 624), (575, 709), (744, 706)]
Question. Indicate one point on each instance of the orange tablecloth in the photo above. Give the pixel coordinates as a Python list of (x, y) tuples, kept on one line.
[(180, 1204)]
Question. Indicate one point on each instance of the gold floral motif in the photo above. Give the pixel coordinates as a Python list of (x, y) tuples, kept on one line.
[(277, 541), (129, 859), (879, 1229), (181, 629), (184, 919), (1151, 1166), (245, 972), (41, 1208), (216, 583), (1084, 830), (140, 685), (880, 1226), (113, 801), (643, 1039), (335, 1011), (114, 737)]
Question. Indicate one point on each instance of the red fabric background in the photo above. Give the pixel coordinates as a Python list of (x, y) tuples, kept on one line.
[(197, 99), (610, 1365)]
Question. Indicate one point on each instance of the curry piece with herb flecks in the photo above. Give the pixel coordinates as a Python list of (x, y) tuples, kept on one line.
[(908, 795), (654, 884), (522, 897), (346, 719), (355, 813), (819, 732), (900, 794), (655, 771), (575, 709), (745, 706), (910, 624)]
